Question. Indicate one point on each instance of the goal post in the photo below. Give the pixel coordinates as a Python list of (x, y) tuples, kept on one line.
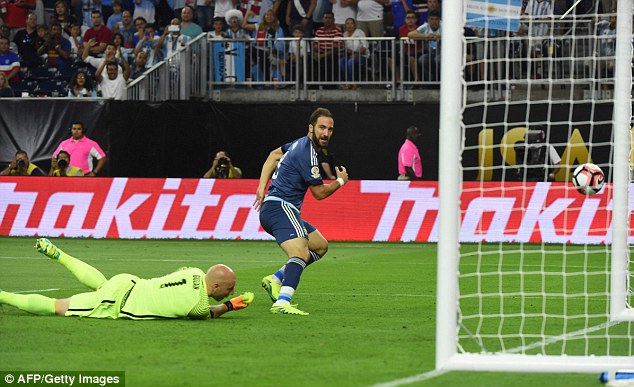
[(539, 279), (622, 121)]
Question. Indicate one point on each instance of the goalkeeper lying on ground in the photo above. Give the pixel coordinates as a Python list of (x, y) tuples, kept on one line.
[(182, 294)]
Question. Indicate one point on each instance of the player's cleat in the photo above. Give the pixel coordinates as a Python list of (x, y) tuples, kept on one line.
[(46, 247), (287, 309), (272, 288)]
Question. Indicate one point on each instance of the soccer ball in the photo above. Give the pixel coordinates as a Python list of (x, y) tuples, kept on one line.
[(588, 179)]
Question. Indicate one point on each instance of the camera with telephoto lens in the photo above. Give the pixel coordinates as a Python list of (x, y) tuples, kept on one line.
[(21, 163), (222, 169), (62, 164)]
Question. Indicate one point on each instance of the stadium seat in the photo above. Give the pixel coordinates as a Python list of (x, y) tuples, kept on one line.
[(26, 86), (43, 73), (67, 73), (24, 72), (52, 88)]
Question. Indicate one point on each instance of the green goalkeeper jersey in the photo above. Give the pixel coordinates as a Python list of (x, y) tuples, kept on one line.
[(180, 294)]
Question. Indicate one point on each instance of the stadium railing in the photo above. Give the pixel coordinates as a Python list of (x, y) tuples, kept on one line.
[(180, 76), (208, 68)]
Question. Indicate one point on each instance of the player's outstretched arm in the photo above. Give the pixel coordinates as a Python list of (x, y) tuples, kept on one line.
[(236, 303), (324, 190), (267, 171)]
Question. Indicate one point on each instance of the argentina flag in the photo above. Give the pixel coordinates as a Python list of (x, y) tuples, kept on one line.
[(494, 14)]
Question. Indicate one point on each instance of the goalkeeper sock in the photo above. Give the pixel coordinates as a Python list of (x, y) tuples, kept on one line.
[(32, 303), (86, 274), (292, 273)]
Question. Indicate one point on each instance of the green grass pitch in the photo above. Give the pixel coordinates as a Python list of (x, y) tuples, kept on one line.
[(372, 319)]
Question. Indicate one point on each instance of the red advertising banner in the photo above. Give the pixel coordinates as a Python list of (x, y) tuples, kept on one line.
[(367, 210)]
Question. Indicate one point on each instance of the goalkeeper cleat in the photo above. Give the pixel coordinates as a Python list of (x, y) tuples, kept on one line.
[(287, 309), (46, 247), (272, 288)]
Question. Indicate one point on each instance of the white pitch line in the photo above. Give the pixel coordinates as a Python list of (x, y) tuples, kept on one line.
[(371, 295), (436, 373), (338, 260), (412, 379)]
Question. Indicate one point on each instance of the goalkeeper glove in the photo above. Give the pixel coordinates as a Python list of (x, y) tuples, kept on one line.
[(240, 302)]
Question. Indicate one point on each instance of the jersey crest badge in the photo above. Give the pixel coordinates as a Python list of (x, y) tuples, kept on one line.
[(314, 172)]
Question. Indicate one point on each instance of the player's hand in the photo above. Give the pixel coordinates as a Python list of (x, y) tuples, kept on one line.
[(242, 301), (342, 173), (259, 199)]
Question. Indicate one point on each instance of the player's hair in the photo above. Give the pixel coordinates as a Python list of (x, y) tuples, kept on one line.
[(433, 13), (319, 112)]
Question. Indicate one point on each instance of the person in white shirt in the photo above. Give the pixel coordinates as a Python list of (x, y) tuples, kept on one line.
[(113, 85), (172, 40), (370, 17), (343, 10), (356, 52)]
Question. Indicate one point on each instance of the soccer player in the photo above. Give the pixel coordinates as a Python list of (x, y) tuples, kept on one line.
[(293, 169), (182, 294)]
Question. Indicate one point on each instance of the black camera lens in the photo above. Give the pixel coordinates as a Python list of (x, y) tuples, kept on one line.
[(62, 164), (21, 163)]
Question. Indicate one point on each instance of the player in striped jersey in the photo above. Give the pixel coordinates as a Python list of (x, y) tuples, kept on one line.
[(293, 169), (182, 294)]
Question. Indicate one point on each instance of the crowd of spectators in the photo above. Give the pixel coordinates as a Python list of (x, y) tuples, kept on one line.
[(61, 55), (50, 57)]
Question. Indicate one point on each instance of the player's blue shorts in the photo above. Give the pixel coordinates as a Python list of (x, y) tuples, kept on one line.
[(282, 220)]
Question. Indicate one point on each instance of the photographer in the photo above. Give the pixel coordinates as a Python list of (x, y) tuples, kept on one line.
[(60, 166), (536, 160), (20, 166), (222, 168)]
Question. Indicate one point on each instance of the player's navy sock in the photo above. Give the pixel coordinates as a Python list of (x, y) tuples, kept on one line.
[(314, 257), (278, 276), (292, 273)]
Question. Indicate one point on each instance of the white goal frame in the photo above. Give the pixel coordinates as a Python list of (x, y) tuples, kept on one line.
[(450, 181)]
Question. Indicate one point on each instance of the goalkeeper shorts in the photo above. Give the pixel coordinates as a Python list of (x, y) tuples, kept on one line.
[(104, 302)]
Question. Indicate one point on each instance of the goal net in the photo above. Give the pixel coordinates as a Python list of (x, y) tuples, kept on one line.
[(533, 275)]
